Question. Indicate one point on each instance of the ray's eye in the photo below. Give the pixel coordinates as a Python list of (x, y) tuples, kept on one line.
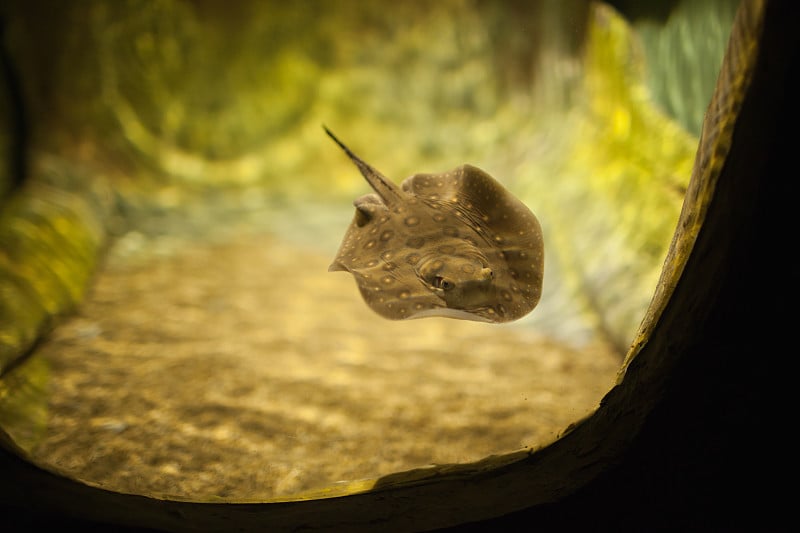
[(445, 284)]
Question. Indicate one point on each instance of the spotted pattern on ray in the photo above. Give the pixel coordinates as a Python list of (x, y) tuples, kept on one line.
[(455, 244)]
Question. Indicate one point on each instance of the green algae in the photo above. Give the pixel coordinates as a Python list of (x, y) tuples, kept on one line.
[(49, 244)]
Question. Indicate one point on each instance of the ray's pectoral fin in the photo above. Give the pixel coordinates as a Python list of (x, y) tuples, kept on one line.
[(336, 267), (352, 254)]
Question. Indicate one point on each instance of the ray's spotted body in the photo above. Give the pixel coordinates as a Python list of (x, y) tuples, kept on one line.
[(455, 244)]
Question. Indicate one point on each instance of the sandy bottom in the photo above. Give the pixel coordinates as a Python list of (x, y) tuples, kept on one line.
[(244, 370)]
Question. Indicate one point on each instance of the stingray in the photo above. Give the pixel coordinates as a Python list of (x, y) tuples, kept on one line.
[(455, 244)]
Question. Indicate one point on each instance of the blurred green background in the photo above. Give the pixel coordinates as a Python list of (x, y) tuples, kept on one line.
[(201, 116)]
